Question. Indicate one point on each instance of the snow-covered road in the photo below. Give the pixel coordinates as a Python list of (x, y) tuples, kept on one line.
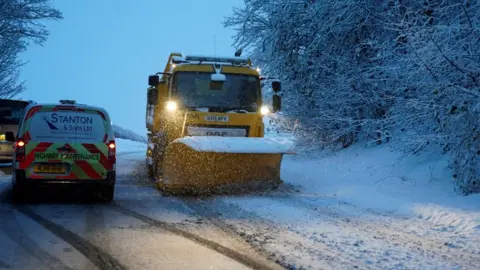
[(320, 219), (138, 231)]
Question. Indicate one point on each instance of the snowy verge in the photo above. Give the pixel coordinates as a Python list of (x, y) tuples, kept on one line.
[(126, 146), (364, 207), (129, 153), (123, 133), (381, 178)]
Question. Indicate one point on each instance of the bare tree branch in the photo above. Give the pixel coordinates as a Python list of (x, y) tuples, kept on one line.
[(20, 23)]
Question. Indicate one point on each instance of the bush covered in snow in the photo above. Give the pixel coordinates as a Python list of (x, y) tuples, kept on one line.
[(123, 133), (407, 71)]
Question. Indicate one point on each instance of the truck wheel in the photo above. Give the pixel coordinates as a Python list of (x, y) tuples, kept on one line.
[(156, 170), (158, 154), (149, 170)]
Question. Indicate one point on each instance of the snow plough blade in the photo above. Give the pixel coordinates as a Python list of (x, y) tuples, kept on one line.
[(203, 164)]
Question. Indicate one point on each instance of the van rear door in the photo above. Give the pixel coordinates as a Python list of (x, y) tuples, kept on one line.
[(92, 135), (64, 142)]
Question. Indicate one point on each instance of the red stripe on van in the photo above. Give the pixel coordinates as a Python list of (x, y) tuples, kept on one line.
[(40, 148), (91, 173), (32, 111), (103, 159), (102, 115), (26, 137)]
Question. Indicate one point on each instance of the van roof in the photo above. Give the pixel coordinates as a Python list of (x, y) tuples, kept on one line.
[(77, 105)]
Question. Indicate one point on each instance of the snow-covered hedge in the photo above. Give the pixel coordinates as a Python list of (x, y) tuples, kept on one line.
[(407, 71), (123, 133)]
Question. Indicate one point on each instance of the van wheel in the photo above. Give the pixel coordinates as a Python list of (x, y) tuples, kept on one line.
[(18, 193), (107, 193)]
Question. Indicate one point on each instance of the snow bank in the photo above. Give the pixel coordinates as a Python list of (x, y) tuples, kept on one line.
[(238, 144), (128, 146), (363, 207), (382, 179), (124, 133)]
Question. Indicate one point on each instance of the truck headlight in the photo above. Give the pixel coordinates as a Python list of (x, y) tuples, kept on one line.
[(264, 110), (171, 106)]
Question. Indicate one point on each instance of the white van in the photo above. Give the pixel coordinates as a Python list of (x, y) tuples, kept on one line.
[(64, 143)]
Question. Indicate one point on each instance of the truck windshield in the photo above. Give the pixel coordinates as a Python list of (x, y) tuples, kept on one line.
[(239, 91), (11, 111)]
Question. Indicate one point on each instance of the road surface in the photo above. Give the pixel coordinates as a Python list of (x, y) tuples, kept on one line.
[(141, 229), (284, 229)]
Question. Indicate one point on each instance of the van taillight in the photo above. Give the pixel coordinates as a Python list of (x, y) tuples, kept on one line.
[(20, 150), (112, 151)]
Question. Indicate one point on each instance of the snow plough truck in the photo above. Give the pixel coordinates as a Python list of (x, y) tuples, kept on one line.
[(205, 125)]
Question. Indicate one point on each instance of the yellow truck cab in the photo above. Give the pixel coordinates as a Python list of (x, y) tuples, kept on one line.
[(64, 143)]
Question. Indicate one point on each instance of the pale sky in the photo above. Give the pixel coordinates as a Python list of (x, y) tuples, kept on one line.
[(102, 52)]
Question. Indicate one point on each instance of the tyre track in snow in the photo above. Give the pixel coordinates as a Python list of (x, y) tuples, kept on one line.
[(13, 230), (388, 232), (265, 233), (237, 256), (96, 255), (138, 179), (4, 264), (205, 214), (331, 258)]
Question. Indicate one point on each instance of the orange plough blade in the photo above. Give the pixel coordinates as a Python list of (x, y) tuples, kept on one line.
[(202, 163)]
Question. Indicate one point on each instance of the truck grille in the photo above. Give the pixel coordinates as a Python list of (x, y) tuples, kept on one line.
[(217, 130)]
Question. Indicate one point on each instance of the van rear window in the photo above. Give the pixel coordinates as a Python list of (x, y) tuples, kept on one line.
[(68, 126)]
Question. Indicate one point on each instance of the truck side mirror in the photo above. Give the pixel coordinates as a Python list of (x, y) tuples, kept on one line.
[(276, 86), (153, 80), (277, 103), (9, 136)]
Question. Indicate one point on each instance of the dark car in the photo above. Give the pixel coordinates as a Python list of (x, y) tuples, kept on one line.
[(11, 112)]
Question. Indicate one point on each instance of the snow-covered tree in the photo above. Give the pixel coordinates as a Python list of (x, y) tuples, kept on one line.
[(327, 53), (441, 63), (378, 70), (20, 24)]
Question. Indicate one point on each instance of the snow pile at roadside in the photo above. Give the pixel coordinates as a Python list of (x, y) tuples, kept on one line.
[(382, 179), (123, 133), (129, 154), (370, 207), (129, 146)]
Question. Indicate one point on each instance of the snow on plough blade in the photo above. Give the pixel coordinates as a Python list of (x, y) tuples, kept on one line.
[(202, 163)]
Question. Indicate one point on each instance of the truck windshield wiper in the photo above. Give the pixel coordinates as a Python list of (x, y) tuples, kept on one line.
[(237, 110), (244, 109)]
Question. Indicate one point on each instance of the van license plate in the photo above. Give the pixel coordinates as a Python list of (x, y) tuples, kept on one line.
[(47, 168)]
